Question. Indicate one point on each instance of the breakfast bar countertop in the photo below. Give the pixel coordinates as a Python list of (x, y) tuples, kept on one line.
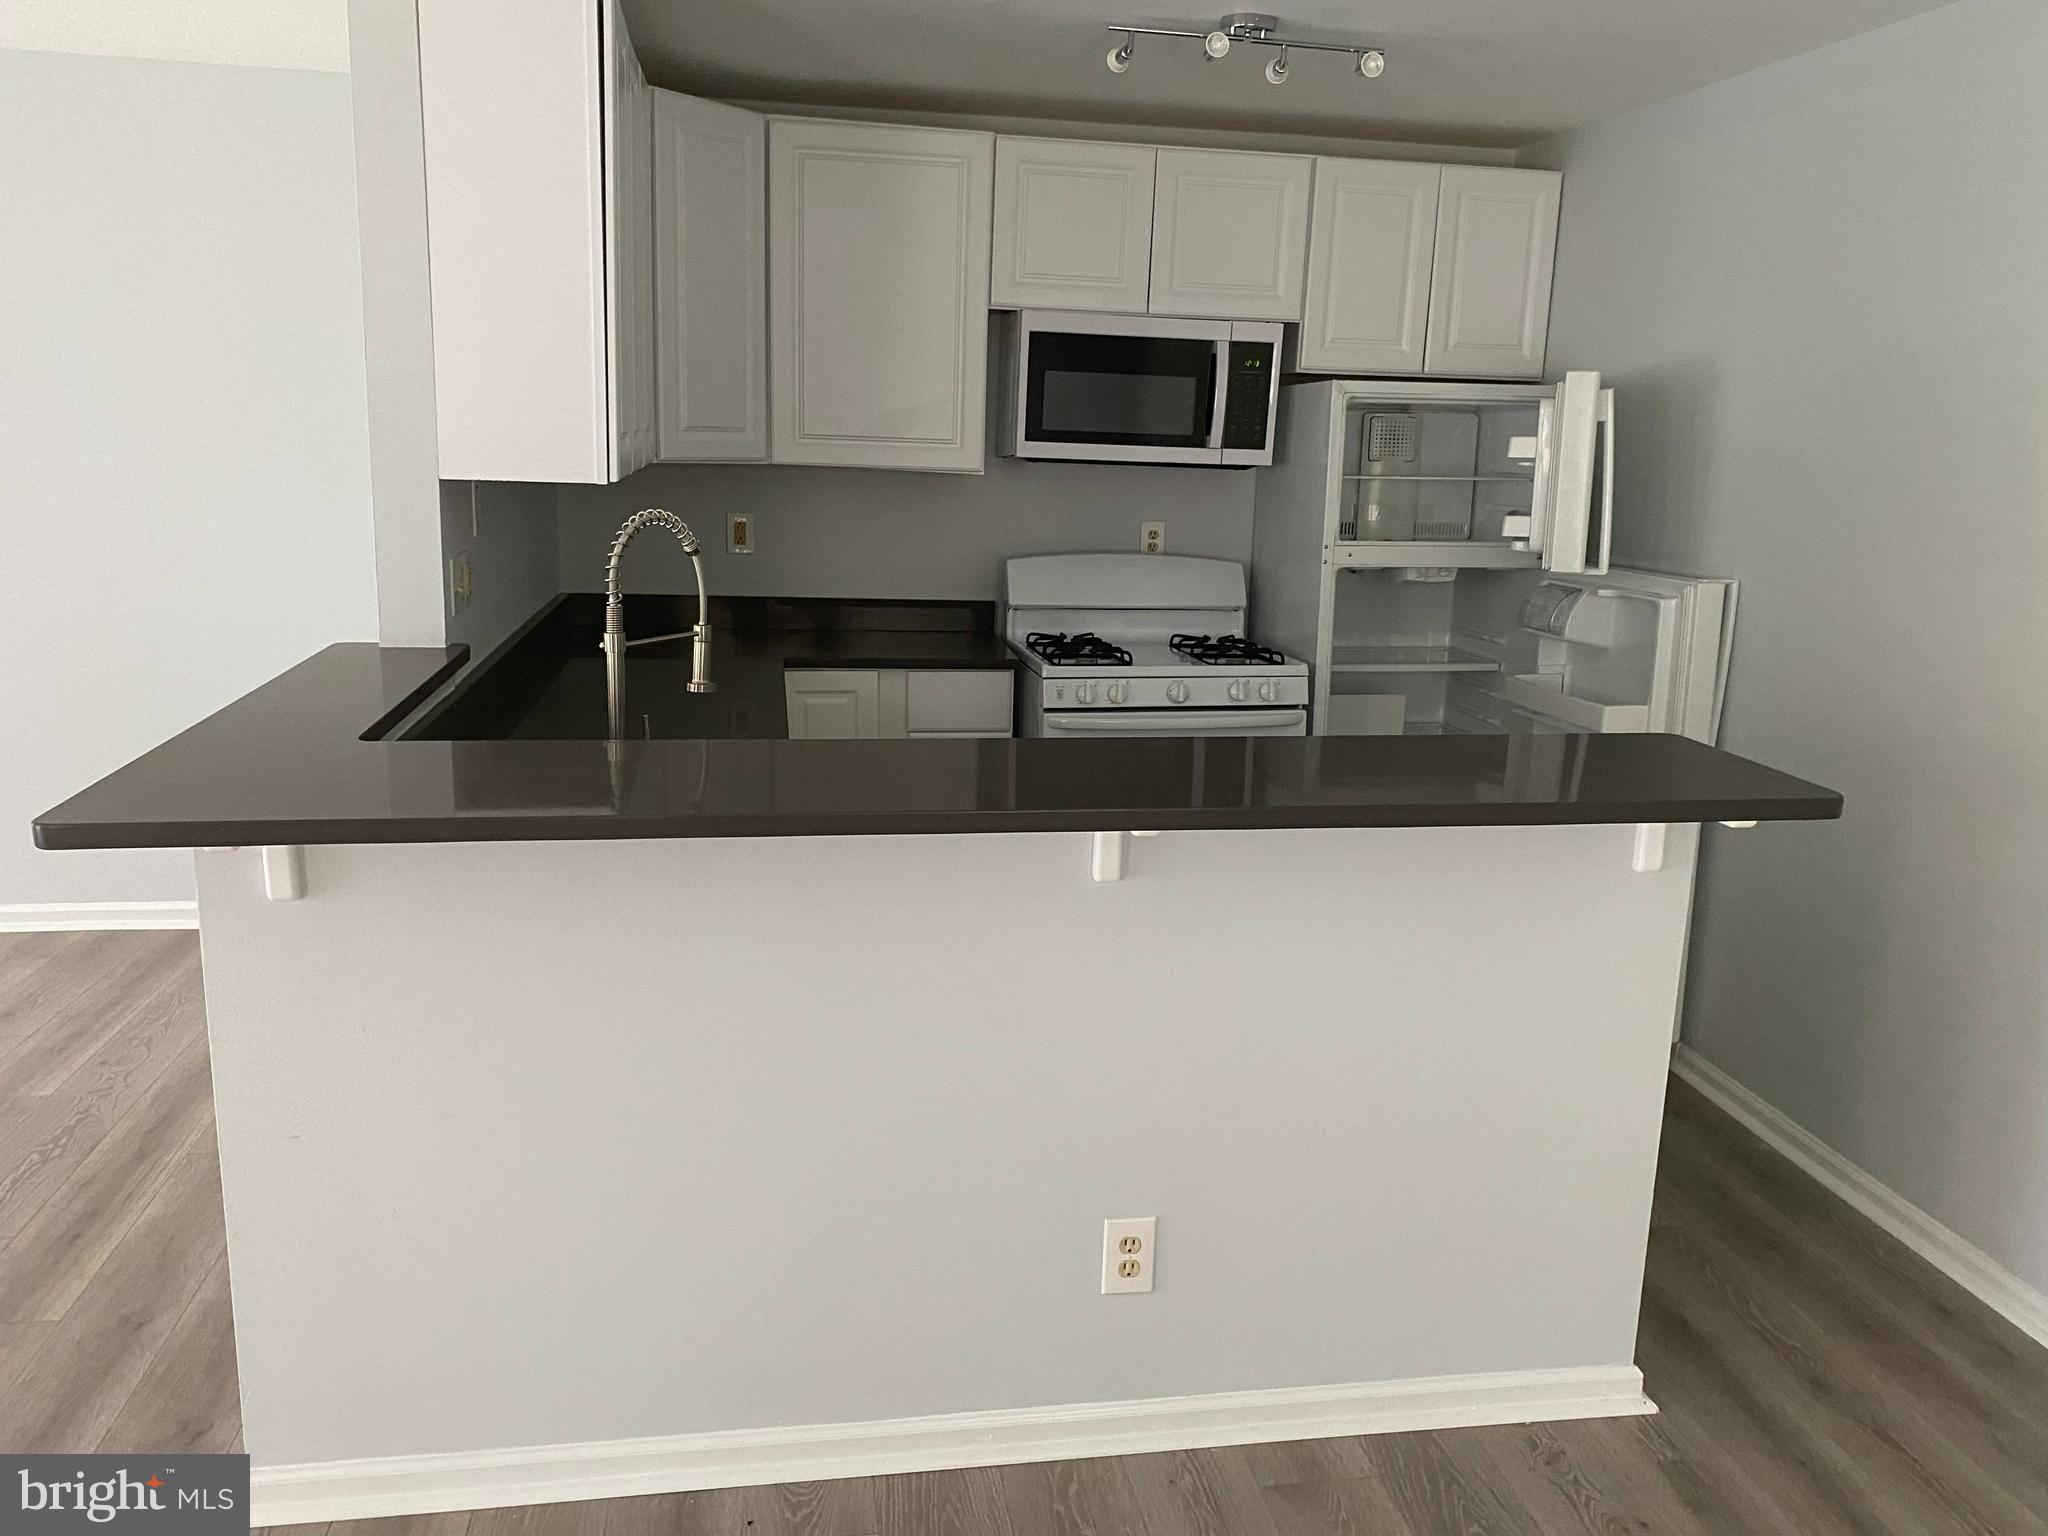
[(310, 758)]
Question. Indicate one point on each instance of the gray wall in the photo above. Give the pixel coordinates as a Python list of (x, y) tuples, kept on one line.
[(184, 502), (879, 533), (507, 531), (1819, 289), (744, 1133)]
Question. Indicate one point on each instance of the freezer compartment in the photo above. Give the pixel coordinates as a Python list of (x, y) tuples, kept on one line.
[(1423, 472)]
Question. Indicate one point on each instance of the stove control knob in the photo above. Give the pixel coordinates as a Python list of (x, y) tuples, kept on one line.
[(1240, 691), (1269, 691), (1118, 692), (1084, 693), (1177, 693)]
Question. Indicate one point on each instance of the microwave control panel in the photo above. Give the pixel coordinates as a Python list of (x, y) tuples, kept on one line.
[(1248, 401)]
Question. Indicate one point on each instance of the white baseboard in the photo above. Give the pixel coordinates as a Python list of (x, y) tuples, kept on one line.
[(549, 1474), (77, 916), (1963, 1262)]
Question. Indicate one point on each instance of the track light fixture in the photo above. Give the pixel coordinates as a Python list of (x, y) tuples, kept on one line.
[(1245, 27)]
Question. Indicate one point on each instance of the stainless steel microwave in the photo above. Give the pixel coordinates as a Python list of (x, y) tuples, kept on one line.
[(1137, 389)]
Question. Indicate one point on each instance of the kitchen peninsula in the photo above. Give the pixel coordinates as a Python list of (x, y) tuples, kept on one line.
[(600, 1117)]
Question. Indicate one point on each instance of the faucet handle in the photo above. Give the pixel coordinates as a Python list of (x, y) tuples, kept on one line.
[(700, 660)]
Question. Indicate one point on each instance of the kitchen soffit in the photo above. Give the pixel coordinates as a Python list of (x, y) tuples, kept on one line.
[(1499, 73)]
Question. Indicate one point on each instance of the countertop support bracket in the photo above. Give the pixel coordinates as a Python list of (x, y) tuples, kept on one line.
[(1648, 856), (1107, 853), (284, 872)]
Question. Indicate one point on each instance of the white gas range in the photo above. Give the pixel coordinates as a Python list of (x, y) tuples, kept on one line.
[(1143, 645)]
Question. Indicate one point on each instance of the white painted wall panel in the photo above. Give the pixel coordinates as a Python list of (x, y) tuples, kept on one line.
[(184, 463), (1817, 291), (692, 1184)]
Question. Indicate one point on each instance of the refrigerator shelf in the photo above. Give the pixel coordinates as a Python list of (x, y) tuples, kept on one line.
[(1528, 479), (1407, 658)]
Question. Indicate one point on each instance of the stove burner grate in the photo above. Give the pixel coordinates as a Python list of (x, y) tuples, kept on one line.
[(1226, 650), (1085, 650)]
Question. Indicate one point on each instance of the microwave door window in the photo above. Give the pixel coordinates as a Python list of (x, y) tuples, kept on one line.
[(1145, 391)]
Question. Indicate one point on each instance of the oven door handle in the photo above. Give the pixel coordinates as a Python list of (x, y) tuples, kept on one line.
[(1179, 723)]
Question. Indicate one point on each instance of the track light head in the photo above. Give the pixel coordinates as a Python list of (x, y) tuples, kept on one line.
[(1276, 68), (1372, 63), (1216, 44), (1120, 56)]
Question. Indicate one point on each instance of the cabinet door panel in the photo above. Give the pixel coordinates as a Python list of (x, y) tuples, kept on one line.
[(513, 128), (944, 703), (1228, 232), (629, 250), (711, 293), (1496, 241), (1372, 237), (1073, 225), (831, 705), (878, 268)]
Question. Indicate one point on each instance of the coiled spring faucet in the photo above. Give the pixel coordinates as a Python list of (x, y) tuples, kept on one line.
[(615, 642)]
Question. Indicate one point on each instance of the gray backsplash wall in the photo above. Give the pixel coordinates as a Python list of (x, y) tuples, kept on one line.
[(885, 533)]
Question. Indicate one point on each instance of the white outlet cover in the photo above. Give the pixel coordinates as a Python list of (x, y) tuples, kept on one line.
[(1152, 537), (1119, 1233)]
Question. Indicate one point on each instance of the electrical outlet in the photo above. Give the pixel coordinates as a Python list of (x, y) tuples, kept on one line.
[(739, 533), (1129, 1249), (1152, 537), (461, 580)]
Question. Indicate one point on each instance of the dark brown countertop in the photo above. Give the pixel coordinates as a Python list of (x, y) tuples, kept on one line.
[(547, 683), (297, 761)]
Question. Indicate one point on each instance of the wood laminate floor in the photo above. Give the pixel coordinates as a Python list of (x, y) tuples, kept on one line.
[(1815, 1377)]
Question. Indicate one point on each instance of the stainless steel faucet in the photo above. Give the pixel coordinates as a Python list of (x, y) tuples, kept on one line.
[(615, 642)]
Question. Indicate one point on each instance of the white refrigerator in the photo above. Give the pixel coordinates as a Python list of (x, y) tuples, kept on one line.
[(1439, 554)]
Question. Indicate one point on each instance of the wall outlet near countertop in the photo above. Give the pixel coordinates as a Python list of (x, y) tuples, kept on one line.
[(1129, 1245), (461, 582), (1152, 537), (739, 533)]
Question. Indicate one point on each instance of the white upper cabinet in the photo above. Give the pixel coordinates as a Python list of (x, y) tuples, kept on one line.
[(878, 272), (1228, 234), (1073, 225), (1496, 239), (629, 250), (711, 278), (537, 138), (1371, 241)]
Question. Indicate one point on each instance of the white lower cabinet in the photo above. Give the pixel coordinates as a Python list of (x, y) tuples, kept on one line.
[(832, 705), (878, 280), (828, 704)]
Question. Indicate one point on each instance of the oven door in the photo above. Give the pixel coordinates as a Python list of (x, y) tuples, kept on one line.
[(1179, 722), (1121, 387)]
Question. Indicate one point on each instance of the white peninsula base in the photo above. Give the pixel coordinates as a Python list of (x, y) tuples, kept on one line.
[(575, 1169)]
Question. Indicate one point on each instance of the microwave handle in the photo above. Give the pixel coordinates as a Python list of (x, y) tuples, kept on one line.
[(1219, 382)]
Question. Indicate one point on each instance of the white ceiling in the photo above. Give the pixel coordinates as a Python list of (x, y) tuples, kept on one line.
[(1483, 72), (280, 34)]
